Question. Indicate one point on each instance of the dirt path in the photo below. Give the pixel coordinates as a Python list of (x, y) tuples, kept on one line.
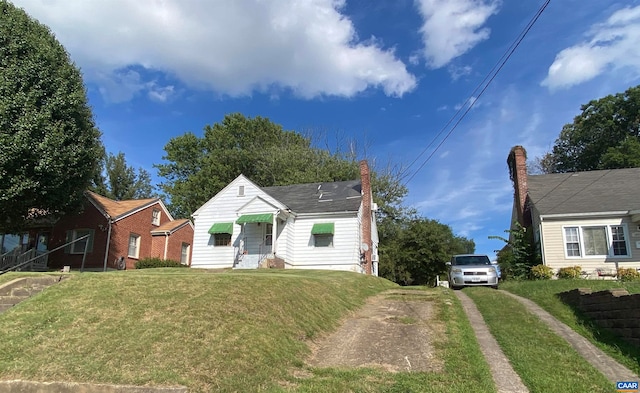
[(394, 330)]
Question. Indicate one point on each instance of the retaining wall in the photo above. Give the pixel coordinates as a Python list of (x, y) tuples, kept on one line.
[(613, 309)]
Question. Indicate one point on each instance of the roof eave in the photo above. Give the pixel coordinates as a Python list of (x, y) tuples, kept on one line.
[(584, 215)]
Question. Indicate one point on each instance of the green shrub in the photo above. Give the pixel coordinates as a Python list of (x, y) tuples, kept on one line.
[(629, 274), (541, 272), (570, 272), (150, 263)]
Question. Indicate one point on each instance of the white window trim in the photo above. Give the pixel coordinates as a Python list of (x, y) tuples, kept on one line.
[(610, 254), (137, 254), (155, 217), (188, 253)]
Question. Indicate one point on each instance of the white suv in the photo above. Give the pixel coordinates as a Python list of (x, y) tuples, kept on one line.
[(471, 270)]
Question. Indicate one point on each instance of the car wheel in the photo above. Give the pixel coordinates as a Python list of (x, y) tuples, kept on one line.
[(494, 286)]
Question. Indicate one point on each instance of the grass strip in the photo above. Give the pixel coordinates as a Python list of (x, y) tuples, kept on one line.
[(544, 293), (545, 362), (227, 332)]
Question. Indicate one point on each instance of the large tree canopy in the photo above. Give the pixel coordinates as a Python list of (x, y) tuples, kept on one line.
[(606, 135), (122, 181), (50, 145), (198, 168), (418, 251)]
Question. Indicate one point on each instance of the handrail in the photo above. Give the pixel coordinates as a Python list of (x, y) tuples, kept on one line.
[(49, 252)]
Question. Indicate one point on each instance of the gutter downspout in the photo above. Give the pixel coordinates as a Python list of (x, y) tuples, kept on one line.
[(106, 254), (166, 244)]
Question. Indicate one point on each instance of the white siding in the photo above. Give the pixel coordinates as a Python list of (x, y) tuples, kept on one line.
[(223, 207), (554, 248), (343, 255)]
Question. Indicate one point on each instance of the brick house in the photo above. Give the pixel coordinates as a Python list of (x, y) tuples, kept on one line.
[(120, 231)]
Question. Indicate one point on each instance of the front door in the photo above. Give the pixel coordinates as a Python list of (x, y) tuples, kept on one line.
[(268, 238)]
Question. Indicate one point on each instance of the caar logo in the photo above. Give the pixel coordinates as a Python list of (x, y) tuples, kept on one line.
[(623, 386)]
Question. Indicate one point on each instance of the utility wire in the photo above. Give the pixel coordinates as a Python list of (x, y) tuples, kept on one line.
[(482, 87)]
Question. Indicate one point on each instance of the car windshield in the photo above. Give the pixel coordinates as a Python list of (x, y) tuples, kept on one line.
[(472, 260)]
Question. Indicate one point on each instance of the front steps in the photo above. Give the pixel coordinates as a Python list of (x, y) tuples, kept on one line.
[(21, 289)]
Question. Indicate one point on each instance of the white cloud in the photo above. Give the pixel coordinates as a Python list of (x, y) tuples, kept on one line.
[(611, 45), (452, 27), (232, 47), (457, 72)]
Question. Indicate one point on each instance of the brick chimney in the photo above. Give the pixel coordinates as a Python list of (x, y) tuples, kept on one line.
[(517, 162), (366, 215)]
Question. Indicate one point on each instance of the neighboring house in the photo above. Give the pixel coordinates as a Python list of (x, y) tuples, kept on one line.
[(119, 231), (590, 219), (305, 226)]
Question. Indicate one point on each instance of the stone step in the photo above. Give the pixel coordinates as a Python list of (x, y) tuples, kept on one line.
[(12, 299)]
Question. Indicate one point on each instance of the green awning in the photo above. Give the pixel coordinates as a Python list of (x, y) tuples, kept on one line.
[(322, 228), (253, 218), (221, 227)]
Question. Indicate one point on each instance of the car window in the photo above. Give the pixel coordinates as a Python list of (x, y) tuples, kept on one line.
[(472, 260)]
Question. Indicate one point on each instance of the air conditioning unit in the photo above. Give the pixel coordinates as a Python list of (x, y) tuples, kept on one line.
[(374, 207), (374, 257)]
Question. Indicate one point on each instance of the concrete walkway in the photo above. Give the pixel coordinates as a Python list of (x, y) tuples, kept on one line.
[(505, 378), (610, 368)]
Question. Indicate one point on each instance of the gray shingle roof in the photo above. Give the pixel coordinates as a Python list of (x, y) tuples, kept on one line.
[(586, 192), (342, 196)]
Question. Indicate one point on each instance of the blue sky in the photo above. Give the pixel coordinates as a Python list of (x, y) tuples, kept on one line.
[(388, 75)]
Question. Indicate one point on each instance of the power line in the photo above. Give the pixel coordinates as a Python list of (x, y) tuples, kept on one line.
[(482, 87)]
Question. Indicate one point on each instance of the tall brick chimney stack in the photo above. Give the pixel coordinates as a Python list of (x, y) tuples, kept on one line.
[(366, 215), (517, 162)]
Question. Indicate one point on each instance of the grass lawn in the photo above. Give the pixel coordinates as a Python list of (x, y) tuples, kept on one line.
[(544, 294), (545, 362), (241, 331)]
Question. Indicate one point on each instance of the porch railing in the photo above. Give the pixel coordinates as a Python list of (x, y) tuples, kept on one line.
[(32, 258)]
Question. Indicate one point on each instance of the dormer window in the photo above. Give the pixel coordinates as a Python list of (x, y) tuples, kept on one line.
[(240, 190), (155, 217)]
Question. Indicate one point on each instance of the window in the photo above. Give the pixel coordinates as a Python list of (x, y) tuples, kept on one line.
[(155, 217), (619, 241), (134, 246), (323, 240), (184, 255), (222, 239), (572, 242), (240, 190), (603, 240), (79, 246)]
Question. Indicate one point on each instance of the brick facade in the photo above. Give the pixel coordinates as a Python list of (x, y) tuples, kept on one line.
[(118, 231), (90, 218)]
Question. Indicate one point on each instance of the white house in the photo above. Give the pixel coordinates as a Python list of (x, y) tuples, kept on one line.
[(304, 226), (589, 219)]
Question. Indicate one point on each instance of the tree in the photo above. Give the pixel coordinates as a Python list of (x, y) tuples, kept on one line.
[(198, 168), (122, 182), (519, 254), (612, 122), (50, 145), (420, 251)]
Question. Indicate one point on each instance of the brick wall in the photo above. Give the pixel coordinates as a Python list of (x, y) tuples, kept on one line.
[(139, 224), (182, 235), (89, 218), (614, 310)]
